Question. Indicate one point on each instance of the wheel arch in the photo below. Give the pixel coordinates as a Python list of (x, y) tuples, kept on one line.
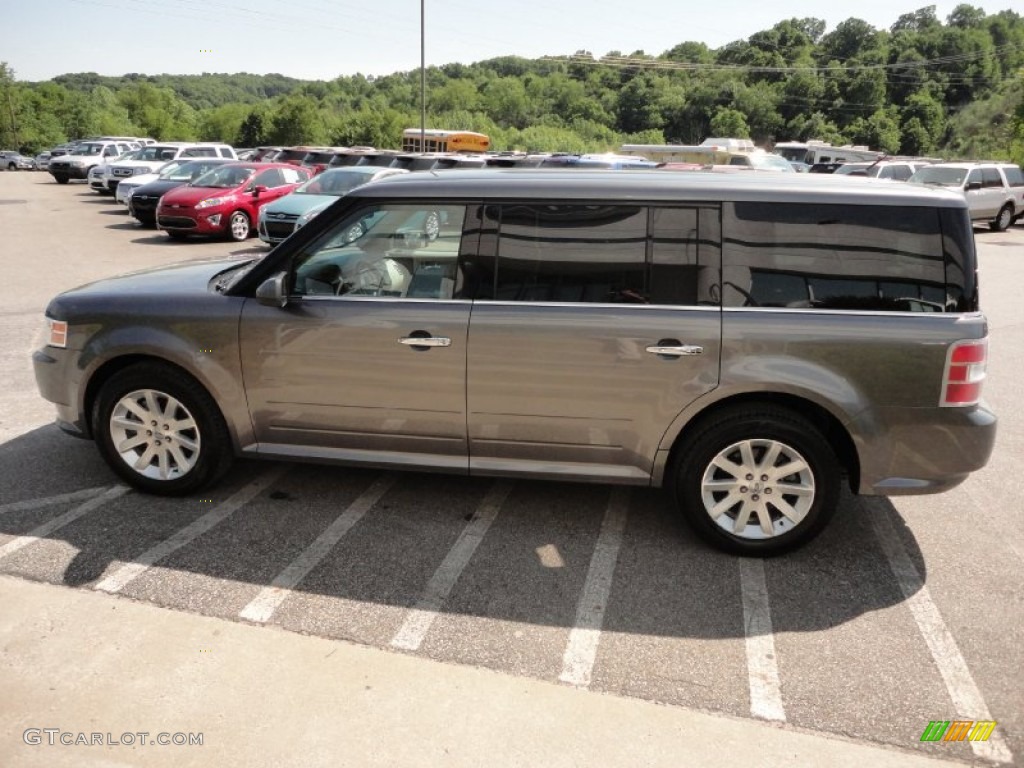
[(110, 368), (832, 429)]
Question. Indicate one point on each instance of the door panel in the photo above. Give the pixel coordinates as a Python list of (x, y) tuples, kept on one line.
[(330, 376), (571, 391)]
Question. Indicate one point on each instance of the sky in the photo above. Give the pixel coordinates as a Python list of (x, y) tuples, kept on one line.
[(325, 39)]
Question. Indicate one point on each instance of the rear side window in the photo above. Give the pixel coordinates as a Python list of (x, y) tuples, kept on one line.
[(1014, 175), (991, 178), (587, 253), (571, 253), (874, 258)]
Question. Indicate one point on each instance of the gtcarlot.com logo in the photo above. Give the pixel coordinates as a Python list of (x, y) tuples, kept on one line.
[(55, 736)]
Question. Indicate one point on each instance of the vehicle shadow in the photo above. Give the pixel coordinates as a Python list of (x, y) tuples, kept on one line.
[(530, 567)]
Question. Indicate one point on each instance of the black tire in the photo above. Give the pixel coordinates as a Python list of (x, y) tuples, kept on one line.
[(239, 227), (201, 466), (12, 167), (766, 426), (61, 178), (1003, 219)]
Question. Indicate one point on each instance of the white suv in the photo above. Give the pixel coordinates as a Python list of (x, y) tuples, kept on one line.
[(894, 170), (154, 156), (994, 191)]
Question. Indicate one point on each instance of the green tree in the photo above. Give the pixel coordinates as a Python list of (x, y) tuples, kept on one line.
[(729, 123)]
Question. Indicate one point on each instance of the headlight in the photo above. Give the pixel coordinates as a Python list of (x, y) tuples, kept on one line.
[(209, 202), (140, 171), (57, 335), (308, 216)]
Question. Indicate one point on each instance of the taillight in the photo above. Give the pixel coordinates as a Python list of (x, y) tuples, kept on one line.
[(964, 373)]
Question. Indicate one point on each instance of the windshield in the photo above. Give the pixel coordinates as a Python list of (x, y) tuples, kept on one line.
[(227, 177), (769, 162), (335, 183), (167, 170), (154, 152), (947, 177), (87, 149), (793, 154), (186, 170)]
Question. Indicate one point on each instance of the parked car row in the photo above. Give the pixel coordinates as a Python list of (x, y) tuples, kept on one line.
[(279, 189)]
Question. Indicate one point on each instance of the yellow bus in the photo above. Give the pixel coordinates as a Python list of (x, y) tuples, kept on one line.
[(444, 141)]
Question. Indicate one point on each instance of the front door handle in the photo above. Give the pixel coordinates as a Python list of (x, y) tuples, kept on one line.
[(675, 350), (425, 341)]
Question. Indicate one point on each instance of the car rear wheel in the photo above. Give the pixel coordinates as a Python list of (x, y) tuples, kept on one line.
[(757, 480), (160, 430), (238, 227), (1003, 219)]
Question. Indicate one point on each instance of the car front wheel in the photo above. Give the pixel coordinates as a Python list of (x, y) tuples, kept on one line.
[(757, 480), (61, 178), (238, 227), (160, 430), (1003, 219)]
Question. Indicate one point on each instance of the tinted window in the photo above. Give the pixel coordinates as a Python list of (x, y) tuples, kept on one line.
[(1014, 175), (833, 257), (974, 177), (902, 172), (394, 251), (685, 256), (991, 178), (571, 253)]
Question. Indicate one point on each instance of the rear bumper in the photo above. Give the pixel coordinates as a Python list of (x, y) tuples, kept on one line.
[(905, 451)]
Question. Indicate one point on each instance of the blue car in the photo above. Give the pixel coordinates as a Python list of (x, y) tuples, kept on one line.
[(279, 219)]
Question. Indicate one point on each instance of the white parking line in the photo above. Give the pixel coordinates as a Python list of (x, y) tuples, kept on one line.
[(47, 501), (266, 602), (59, 522), (116, 581), (581, 649), (967, 700), (762, 671), (416, 625)]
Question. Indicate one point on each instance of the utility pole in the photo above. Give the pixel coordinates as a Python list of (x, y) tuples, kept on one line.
[(423, 76)]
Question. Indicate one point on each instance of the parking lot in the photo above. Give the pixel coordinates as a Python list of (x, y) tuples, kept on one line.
[(903, 612)]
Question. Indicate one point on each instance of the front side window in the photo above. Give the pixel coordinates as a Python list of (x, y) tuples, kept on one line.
[(799, 256), (402, 251)]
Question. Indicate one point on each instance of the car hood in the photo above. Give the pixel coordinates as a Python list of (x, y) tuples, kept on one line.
[(158, 187), (188, 278), (186, 195), (298, 204), (140, 179)]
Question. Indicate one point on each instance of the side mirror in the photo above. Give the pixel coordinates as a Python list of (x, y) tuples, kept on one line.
[(971, 185), (258, 190), (272, 293)]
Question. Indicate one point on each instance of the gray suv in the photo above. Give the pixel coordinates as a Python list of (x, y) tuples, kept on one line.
[(747, 341)]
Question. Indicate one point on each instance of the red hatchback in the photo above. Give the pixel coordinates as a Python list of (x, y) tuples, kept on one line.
[(227, 199)]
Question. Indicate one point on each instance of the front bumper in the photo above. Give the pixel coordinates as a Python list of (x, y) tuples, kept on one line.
[(192, 222), (57, 378), (71, 171)]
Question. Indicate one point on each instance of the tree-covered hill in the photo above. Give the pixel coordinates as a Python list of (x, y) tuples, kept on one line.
[(925, 86)]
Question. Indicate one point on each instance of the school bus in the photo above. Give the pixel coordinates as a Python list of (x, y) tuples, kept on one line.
[(444, 141)]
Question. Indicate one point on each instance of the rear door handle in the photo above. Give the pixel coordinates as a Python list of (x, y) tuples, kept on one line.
[(675, 350)]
